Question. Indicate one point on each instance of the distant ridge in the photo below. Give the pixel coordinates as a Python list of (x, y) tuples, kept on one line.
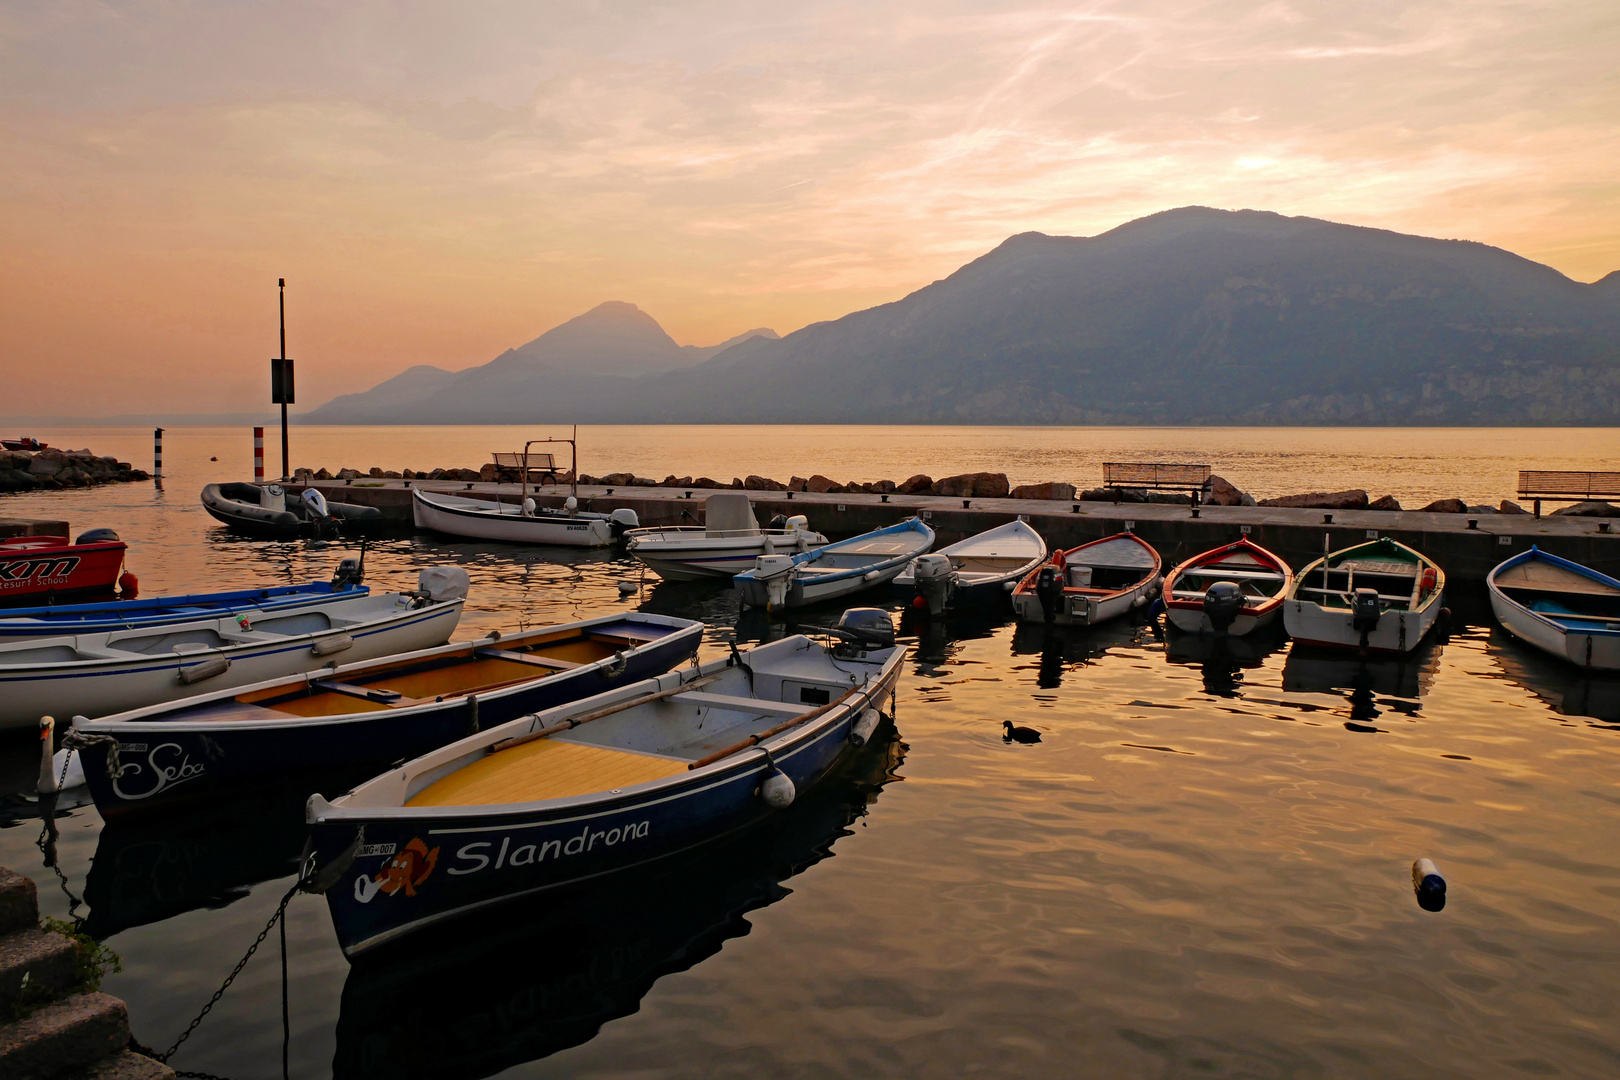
[(1189, 316)]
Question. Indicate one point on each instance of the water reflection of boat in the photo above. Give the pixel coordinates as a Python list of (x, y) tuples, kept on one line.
[(469, 1005), (147, 870), (1060, 647), (1323, 671), (1570, 691), (1223, 657)]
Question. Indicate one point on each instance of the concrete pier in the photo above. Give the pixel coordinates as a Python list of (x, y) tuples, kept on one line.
[(1466, 553)]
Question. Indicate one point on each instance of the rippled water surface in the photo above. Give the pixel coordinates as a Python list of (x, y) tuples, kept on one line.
[(1202, 869)]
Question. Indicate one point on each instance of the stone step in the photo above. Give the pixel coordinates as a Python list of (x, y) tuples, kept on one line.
[(46, 961), (19, 902), (126, 1065), (64, 1036)]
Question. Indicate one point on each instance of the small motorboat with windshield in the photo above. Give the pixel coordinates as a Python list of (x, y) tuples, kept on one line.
[(727, 543), (1561, 607), (1090, 584), (979, 569), (45, 569), (1381, 597), (1234, 590)]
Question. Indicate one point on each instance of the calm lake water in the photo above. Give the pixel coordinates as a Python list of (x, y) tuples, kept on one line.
[(1203, 869)]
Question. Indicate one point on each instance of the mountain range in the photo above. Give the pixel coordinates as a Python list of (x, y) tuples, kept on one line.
[(1190, 316)]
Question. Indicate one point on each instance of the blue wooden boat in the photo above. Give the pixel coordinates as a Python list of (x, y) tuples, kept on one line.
[(1562, 608), (21, 623), (827, 573), (366, 713), (599, 786)]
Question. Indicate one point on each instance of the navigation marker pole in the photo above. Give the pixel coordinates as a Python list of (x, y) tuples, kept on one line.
[(281, 378)]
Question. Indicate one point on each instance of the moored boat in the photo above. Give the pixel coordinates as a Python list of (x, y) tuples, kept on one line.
[(518, 523), (826, 573), (1091, 583), (49, 568), (728, 541), (19, 623), (374, 712), (602, 785), (1235, 590), (1561, 607), (980, 568), (266, 513), (114, 671), (1381, 596)]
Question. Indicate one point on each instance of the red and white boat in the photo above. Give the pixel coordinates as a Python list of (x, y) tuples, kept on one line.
[(44, 569), (1090, 584), (1234, 590)]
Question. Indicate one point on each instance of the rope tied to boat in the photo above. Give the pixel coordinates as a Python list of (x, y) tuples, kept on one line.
[(81, 740)]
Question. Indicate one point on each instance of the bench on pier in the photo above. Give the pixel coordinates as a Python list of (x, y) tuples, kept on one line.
[(1120, 475), (1538, 484), (509, 467)]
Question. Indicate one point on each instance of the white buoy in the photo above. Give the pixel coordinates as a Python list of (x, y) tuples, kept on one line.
[(47, 757), (777, 790), (1429, 885)]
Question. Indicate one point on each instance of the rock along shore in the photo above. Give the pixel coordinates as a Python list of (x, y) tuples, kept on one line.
[(52, 469)]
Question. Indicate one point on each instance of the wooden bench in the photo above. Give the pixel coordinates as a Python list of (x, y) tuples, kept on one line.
[(1120, 475), (510, 467), (1555, 486)]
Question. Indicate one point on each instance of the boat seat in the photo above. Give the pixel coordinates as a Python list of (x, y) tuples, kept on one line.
[(1235, 575), (734, 703), (387, 697), (526, 658), (548, 768), (1398, 598)]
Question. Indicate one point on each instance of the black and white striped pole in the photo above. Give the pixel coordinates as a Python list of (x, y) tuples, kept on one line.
[(157, 457)]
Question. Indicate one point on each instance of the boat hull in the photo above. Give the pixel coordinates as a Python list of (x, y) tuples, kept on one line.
[(1190, 618), (480, 858), (95, 688), (23, 623), (1087, 610), (1595, 649), (170, 761), (511, 528), (34, 572), (1397, 632), (699, 560)]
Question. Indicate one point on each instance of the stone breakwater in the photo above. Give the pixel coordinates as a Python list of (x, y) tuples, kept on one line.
[(976, 485), (51, 469)]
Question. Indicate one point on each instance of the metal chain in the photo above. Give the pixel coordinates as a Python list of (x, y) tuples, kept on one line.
[(79, 740)]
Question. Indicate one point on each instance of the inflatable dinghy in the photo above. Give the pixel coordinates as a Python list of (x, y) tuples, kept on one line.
[(266, 512)]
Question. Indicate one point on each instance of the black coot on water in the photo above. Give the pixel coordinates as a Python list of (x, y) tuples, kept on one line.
[(1011, 732)]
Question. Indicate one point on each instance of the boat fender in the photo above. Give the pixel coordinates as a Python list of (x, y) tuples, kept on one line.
[(571, 506), (528, 508), (196, 673), (777, 790), (316, 503), (1009, 585), (1428, 581), (871, 575), (129, 586), (1429, 885), (1157, 608), (861, 733), (328, 646)]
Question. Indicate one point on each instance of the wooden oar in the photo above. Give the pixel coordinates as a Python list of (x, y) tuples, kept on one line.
[(754, 740), (573, 722)]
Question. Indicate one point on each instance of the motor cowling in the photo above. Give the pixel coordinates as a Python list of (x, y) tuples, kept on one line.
[(623, 520), (775, 572), (96, 536), (797, 523), (442, 583), (349, 572), (1049, 590), (867, 628), (1223, 602), (1364, 611), (932, 574)]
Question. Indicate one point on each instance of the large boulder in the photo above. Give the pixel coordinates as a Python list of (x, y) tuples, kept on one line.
[(1446, 506), (1588, 509), (753, 482), (883, 487), (1218, 491), (821, 485), (1107, 494), (920, 484), (1355, 499), (1050, 491), (617, 479), (643, 481), (979, 485), (1385, 502), (48, 463), (1508, 506), (705, 483)]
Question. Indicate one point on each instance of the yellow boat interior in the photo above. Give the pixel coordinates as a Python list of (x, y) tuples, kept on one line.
[(476, 668)]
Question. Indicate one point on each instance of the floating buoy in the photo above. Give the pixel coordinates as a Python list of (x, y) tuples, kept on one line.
[(1429, 885), (777, 790), (129, 586), (1013, 733), (628, 587)]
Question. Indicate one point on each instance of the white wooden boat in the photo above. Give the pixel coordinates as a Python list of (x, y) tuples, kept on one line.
[(1381, 597), (727, 543), (517, 523), (980, 568), (1092, 583), (601, 785), (109, 672), (1234, 590), (862, 562), (1562, 608)]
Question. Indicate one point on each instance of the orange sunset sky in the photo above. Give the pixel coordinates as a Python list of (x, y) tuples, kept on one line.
[(441, 182)]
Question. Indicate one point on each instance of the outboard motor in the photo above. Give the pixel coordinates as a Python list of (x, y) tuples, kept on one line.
[(1223, 602), (800, 526), (1364, 612), (933, 576), (622, 521), (779, 522), (1049, 591), (441, 583), (273, 497), (96, 536), (867, 628), (326, 526), (350, 572), (775, 572)]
